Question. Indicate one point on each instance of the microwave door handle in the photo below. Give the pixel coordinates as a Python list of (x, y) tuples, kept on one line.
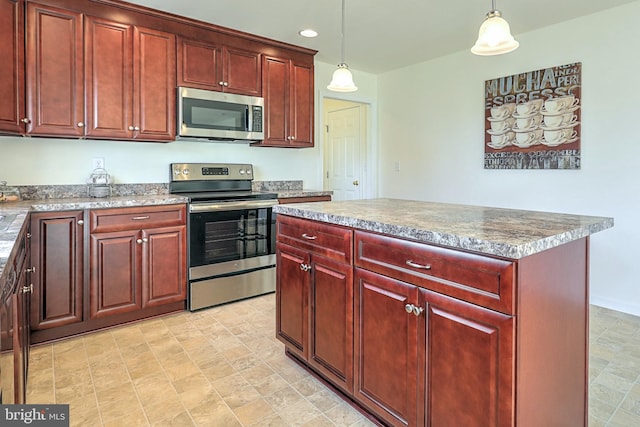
[(248, 118)]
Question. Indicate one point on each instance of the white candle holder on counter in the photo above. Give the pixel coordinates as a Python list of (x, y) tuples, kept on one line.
[(99, 183)]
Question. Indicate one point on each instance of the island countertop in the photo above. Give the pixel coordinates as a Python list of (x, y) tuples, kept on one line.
[(508, 233)]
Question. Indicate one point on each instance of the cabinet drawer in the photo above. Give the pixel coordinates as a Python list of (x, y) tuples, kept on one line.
[(120, 219), (478, 279), (332, 241)]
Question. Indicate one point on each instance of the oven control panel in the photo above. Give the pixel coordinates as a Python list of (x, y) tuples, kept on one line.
[(211, 171)]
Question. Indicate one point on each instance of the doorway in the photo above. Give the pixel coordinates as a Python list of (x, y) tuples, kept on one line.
[(345, 149)]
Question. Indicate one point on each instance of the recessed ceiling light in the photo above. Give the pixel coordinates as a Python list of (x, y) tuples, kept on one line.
[(308, 33)]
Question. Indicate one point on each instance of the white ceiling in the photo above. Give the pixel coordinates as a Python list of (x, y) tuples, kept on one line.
[(380, 34)]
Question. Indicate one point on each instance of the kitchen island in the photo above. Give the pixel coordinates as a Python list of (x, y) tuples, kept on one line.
[(438, 314)]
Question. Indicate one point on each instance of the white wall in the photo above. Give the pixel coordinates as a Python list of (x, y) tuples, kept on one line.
[(432, 121)]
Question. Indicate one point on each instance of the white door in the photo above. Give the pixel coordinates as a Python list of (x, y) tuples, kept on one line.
[(345, 152)]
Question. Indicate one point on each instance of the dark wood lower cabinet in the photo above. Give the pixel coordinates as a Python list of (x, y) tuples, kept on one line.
[(439, 337), (386, 340), (58, 259), (315, 315), (135, 267), (115, 283)]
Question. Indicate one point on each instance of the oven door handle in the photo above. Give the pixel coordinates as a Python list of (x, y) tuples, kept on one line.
[(232, 206)]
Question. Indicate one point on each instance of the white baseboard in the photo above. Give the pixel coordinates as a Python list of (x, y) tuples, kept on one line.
[(617, 305)]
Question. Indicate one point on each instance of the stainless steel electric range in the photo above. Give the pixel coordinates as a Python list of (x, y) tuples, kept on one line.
[(231, 232)]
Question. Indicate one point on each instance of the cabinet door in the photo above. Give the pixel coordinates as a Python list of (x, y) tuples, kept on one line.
[(275, 89), (55, 95), (21, 338), (301, 127), (109, 79), (469, 364), (154, 83), (386, 348), (242, 72), (199, 64), (115, 282), (58, 259), (331, 339), (12, 72), (164, 276), (292, 299)]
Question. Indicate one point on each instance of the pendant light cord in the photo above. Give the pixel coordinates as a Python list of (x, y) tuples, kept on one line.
[(343, 33)]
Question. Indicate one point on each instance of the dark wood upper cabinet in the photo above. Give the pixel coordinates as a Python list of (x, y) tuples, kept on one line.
[(54, 72), (206, 65), (130, 80), (12, 73), (109, 70), (287, 87)]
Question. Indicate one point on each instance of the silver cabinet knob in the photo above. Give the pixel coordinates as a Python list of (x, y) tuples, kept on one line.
[(27, 289), (30, 270), (145, 240), (139, 241), (80, 222), (130, 127), (80, 124), (25, 120), (221, 83), (410, 308), (136, 128), (305, 267)]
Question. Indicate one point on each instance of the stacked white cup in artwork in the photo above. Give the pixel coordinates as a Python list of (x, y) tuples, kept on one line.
[(559, 120), (502, 124)]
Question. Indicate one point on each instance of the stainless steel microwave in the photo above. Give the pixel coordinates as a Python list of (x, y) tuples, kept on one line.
[(219, 116)]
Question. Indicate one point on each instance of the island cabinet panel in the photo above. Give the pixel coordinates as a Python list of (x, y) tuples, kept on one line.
[(386, 342), (331, 241), (57, 253), (12, 109), (468, 355), (54, 72), (314, 299), (214, 66), (482, 280)]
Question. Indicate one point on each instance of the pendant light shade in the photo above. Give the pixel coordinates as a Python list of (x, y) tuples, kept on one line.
[(494, 36), (342, 80)]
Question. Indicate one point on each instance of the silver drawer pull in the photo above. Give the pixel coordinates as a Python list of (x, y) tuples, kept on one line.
[(306, 236), (420, 266), (140, 218)]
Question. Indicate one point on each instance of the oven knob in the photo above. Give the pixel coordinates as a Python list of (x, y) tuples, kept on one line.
[(248, 171), (241, 171), (176, 171), (185, 172)]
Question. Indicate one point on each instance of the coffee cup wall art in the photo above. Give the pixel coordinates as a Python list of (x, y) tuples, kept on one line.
[(533, 119)]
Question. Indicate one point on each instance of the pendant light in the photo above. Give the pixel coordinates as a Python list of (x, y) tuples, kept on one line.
[(494, 37), (342, 80)]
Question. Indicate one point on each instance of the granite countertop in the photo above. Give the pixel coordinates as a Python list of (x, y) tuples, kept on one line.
[(506, 233), (303, 193), (18, 212)]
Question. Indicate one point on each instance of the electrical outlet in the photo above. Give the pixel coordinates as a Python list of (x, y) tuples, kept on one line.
[(97, 163)]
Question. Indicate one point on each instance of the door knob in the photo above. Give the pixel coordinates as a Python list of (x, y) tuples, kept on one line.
[(356, 182)]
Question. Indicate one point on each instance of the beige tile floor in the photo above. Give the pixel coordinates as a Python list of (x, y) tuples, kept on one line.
[(223, 367)]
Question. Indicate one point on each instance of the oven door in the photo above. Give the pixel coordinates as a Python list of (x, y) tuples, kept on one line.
[(231, 235)]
